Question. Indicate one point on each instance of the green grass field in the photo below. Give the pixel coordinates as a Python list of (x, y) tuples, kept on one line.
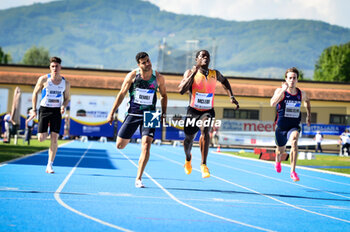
[(9, 151), (321, 160)]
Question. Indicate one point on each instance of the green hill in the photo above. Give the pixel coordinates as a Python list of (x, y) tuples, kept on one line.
[(108, 34)]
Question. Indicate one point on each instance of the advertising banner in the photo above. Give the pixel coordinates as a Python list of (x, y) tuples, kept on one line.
[(88, 115), (325, 129)]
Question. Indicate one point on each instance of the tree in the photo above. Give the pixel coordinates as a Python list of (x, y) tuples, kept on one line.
[(36, 56), (334, 64), (4, 58)]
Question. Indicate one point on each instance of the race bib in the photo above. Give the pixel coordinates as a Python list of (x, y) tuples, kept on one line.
[(203, 101), (292, 110), (144, 96)]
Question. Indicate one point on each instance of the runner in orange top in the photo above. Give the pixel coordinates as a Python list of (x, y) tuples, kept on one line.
[(200, 81)]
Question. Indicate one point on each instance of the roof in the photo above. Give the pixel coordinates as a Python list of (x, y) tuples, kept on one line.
[(113, 79)]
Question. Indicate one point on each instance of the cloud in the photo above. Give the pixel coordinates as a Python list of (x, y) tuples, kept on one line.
[(15, 3), (331, 11)]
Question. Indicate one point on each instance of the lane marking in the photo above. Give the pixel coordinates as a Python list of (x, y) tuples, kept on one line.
[(190, 206), (251, 190), (287, 165), (60, 201)]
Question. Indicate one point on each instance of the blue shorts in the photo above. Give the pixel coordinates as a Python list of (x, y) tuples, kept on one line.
[(130, 125), (282, 135)]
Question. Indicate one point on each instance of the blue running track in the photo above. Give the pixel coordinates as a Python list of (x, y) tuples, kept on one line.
[(93, 190)]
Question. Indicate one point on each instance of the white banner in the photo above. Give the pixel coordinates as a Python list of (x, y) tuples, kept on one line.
[(4, 96), (90, 110)]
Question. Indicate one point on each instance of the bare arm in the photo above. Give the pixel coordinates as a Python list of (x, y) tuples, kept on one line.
[(226, 85), (66, 97), (187, 80), (120, 97), (307, 105), (163, 94), (279, 94), (38, 87)]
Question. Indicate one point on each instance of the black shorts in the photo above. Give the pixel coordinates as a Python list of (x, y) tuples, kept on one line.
[(192, 113), (282, 135), (52, 116), (130, 125)]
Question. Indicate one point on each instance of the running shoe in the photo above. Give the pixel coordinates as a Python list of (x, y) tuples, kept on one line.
[(49, 170), (205, 171), (278, 167), (188, 167), (294, 176), (139, 184)]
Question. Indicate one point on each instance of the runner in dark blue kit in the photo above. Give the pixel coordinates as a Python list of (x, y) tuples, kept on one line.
[(142, 85), (287, 101)]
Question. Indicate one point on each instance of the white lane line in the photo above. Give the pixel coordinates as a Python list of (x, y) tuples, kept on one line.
[(59, 200), (192, 207), (287, 165), (273, 178), (251, 190)]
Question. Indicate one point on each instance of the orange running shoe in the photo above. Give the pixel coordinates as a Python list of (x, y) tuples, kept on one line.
[(205, 171), (188, 167)]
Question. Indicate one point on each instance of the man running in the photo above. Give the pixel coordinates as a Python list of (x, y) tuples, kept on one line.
[(54, 100), (200, 81), (287, 101), (142, 84)]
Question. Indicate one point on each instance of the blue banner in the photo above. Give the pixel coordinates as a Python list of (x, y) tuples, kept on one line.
[(78, 128), (325, 129)]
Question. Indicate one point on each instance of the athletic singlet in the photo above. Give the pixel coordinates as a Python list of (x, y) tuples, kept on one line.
[(203, 91), (288, 110), (52, 95), (143, 94)]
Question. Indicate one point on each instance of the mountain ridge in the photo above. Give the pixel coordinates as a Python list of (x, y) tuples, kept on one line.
[(109, 33)]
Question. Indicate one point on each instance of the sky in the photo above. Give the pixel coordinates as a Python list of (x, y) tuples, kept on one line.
[(331, 11)]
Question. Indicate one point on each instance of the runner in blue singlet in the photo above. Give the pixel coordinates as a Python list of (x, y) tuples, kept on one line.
[(287, 101)]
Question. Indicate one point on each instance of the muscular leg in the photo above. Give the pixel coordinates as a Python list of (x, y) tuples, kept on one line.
[(294, 150), (42, 136), (53, 146), (279, 152), (188, 142), (204, 142), (121, 143), (145, 154)]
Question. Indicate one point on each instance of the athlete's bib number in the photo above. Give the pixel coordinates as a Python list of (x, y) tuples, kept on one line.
[(144, 96), (292, 110), (203, 101)]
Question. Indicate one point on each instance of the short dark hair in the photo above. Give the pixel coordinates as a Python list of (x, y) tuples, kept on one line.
[(141, 55), (55, 59), (294, 70), (203, 50)]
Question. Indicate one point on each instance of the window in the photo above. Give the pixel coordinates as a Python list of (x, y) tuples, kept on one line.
[(241, 114), (313, 117), (339, 119)]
